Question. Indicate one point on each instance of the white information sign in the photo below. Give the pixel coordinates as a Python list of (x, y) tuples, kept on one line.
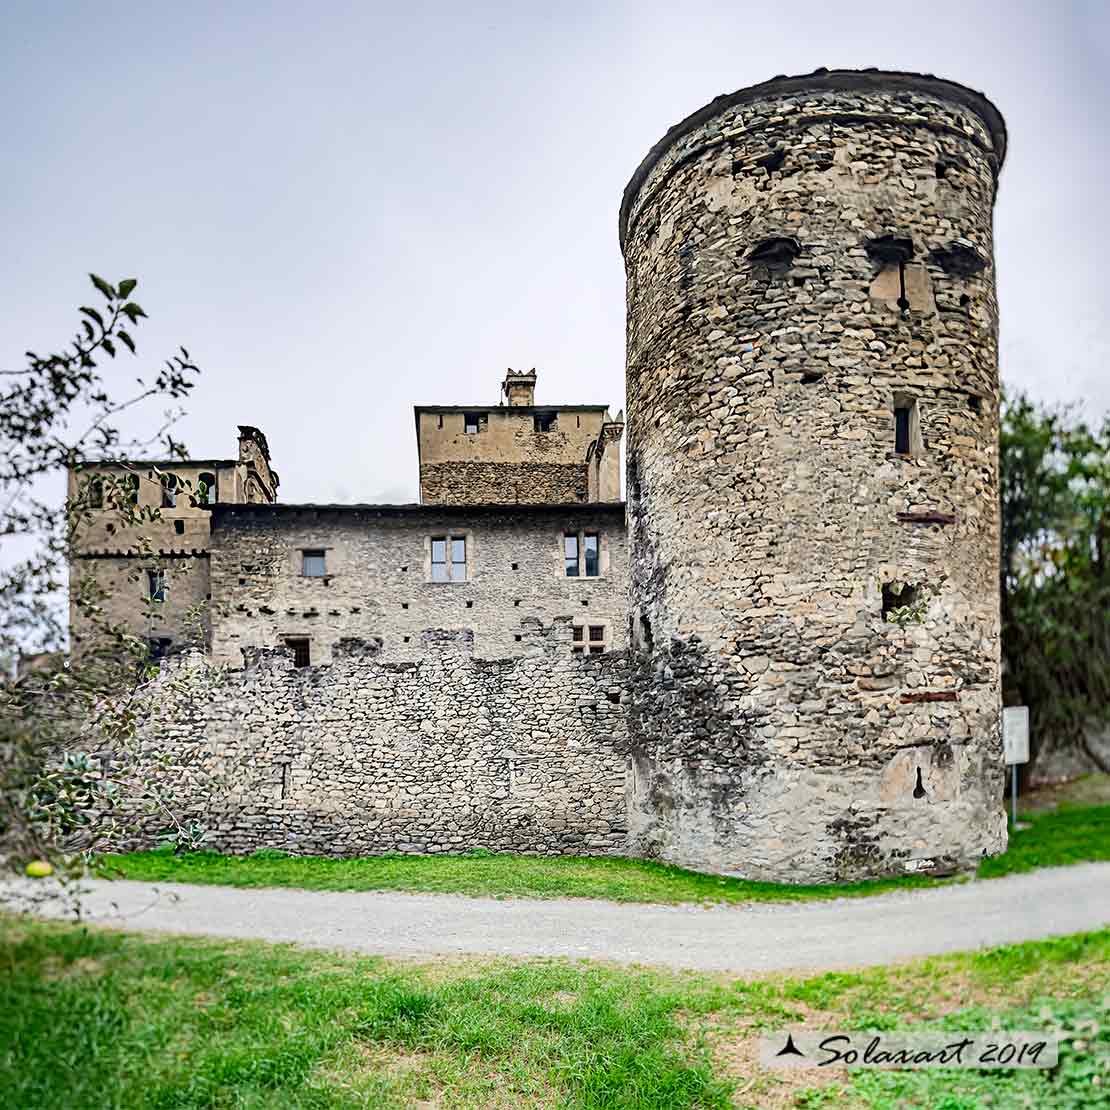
[(1015, 733)]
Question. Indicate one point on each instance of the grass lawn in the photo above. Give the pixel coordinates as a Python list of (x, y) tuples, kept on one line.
[(99, 1019), (1062, 836)]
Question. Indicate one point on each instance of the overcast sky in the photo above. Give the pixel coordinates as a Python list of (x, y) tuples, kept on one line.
[(344, 209)]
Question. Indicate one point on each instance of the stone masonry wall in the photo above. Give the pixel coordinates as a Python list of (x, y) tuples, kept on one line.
[(508, 460), (484, 483), (781, 728), (365, 757), (378, 582)]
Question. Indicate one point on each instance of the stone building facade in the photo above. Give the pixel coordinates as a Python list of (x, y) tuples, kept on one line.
[(518, 453), (798, 674), (154, 574), (373, 576), (813, 447)]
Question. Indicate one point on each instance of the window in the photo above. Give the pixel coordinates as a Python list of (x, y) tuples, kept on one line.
[(582, 554), (156, 584), (902, 430), (898, 595), (570, 555), (907, 437), (474, 422), (546, 421), (302, 656), (590, 549), (206, 491), (159, 646), (96, 493), (589, 639), (169, 491), (448, 558), (314, 563), (131, 482)]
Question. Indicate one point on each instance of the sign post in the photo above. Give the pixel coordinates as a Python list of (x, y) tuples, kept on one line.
[(1015, 745)]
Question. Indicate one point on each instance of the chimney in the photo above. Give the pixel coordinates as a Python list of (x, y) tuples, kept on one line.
[(520, 387)]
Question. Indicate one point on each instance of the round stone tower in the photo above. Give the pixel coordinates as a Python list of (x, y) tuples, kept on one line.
[(813, 481)]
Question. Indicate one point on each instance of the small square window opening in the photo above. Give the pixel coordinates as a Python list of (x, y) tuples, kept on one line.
[(313, 563), (302, 655)]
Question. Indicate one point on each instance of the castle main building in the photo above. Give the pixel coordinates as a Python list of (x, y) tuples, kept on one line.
[(787, 667)]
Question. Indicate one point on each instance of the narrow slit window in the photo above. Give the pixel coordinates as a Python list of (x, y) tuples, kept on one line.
[(156, 584), (591, 548), (314, 563), (301, 647), (570, 555), (902, 416)]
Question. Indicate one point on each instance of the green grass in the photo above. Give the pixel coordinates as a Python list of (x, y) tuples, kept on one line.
[(1065, 836), (97, 1019), (1070, 834)]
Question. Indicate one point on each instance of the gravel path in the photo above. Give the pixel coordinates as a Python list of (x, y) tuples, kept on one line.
[(762, 937)]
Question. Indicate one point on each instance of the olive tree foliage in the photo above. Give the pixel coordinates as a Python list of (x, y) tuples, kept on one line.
[(1055, 581), (70, 723)]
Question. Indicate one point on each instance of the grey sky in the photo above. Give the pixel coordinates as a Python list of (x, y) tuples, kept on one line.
[(345, 209)]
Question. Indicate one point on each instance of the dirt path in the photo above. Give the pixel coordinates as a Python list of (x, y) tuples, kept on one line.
[(761, 937)]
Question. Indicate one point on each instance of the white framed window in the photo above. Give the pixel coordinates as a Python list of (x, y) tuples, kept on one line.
[(448, 558), (582, 554)]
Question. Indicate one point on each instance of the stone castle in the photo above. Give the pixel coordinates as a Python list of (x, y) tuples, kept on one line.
[(779, 659)]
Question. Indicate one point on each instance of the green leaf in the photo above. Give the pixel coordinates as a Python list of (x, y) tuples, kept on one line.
[(109, 346), (126, 286), (94, 314), (125, 339), (132, 311), (103, 286)]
